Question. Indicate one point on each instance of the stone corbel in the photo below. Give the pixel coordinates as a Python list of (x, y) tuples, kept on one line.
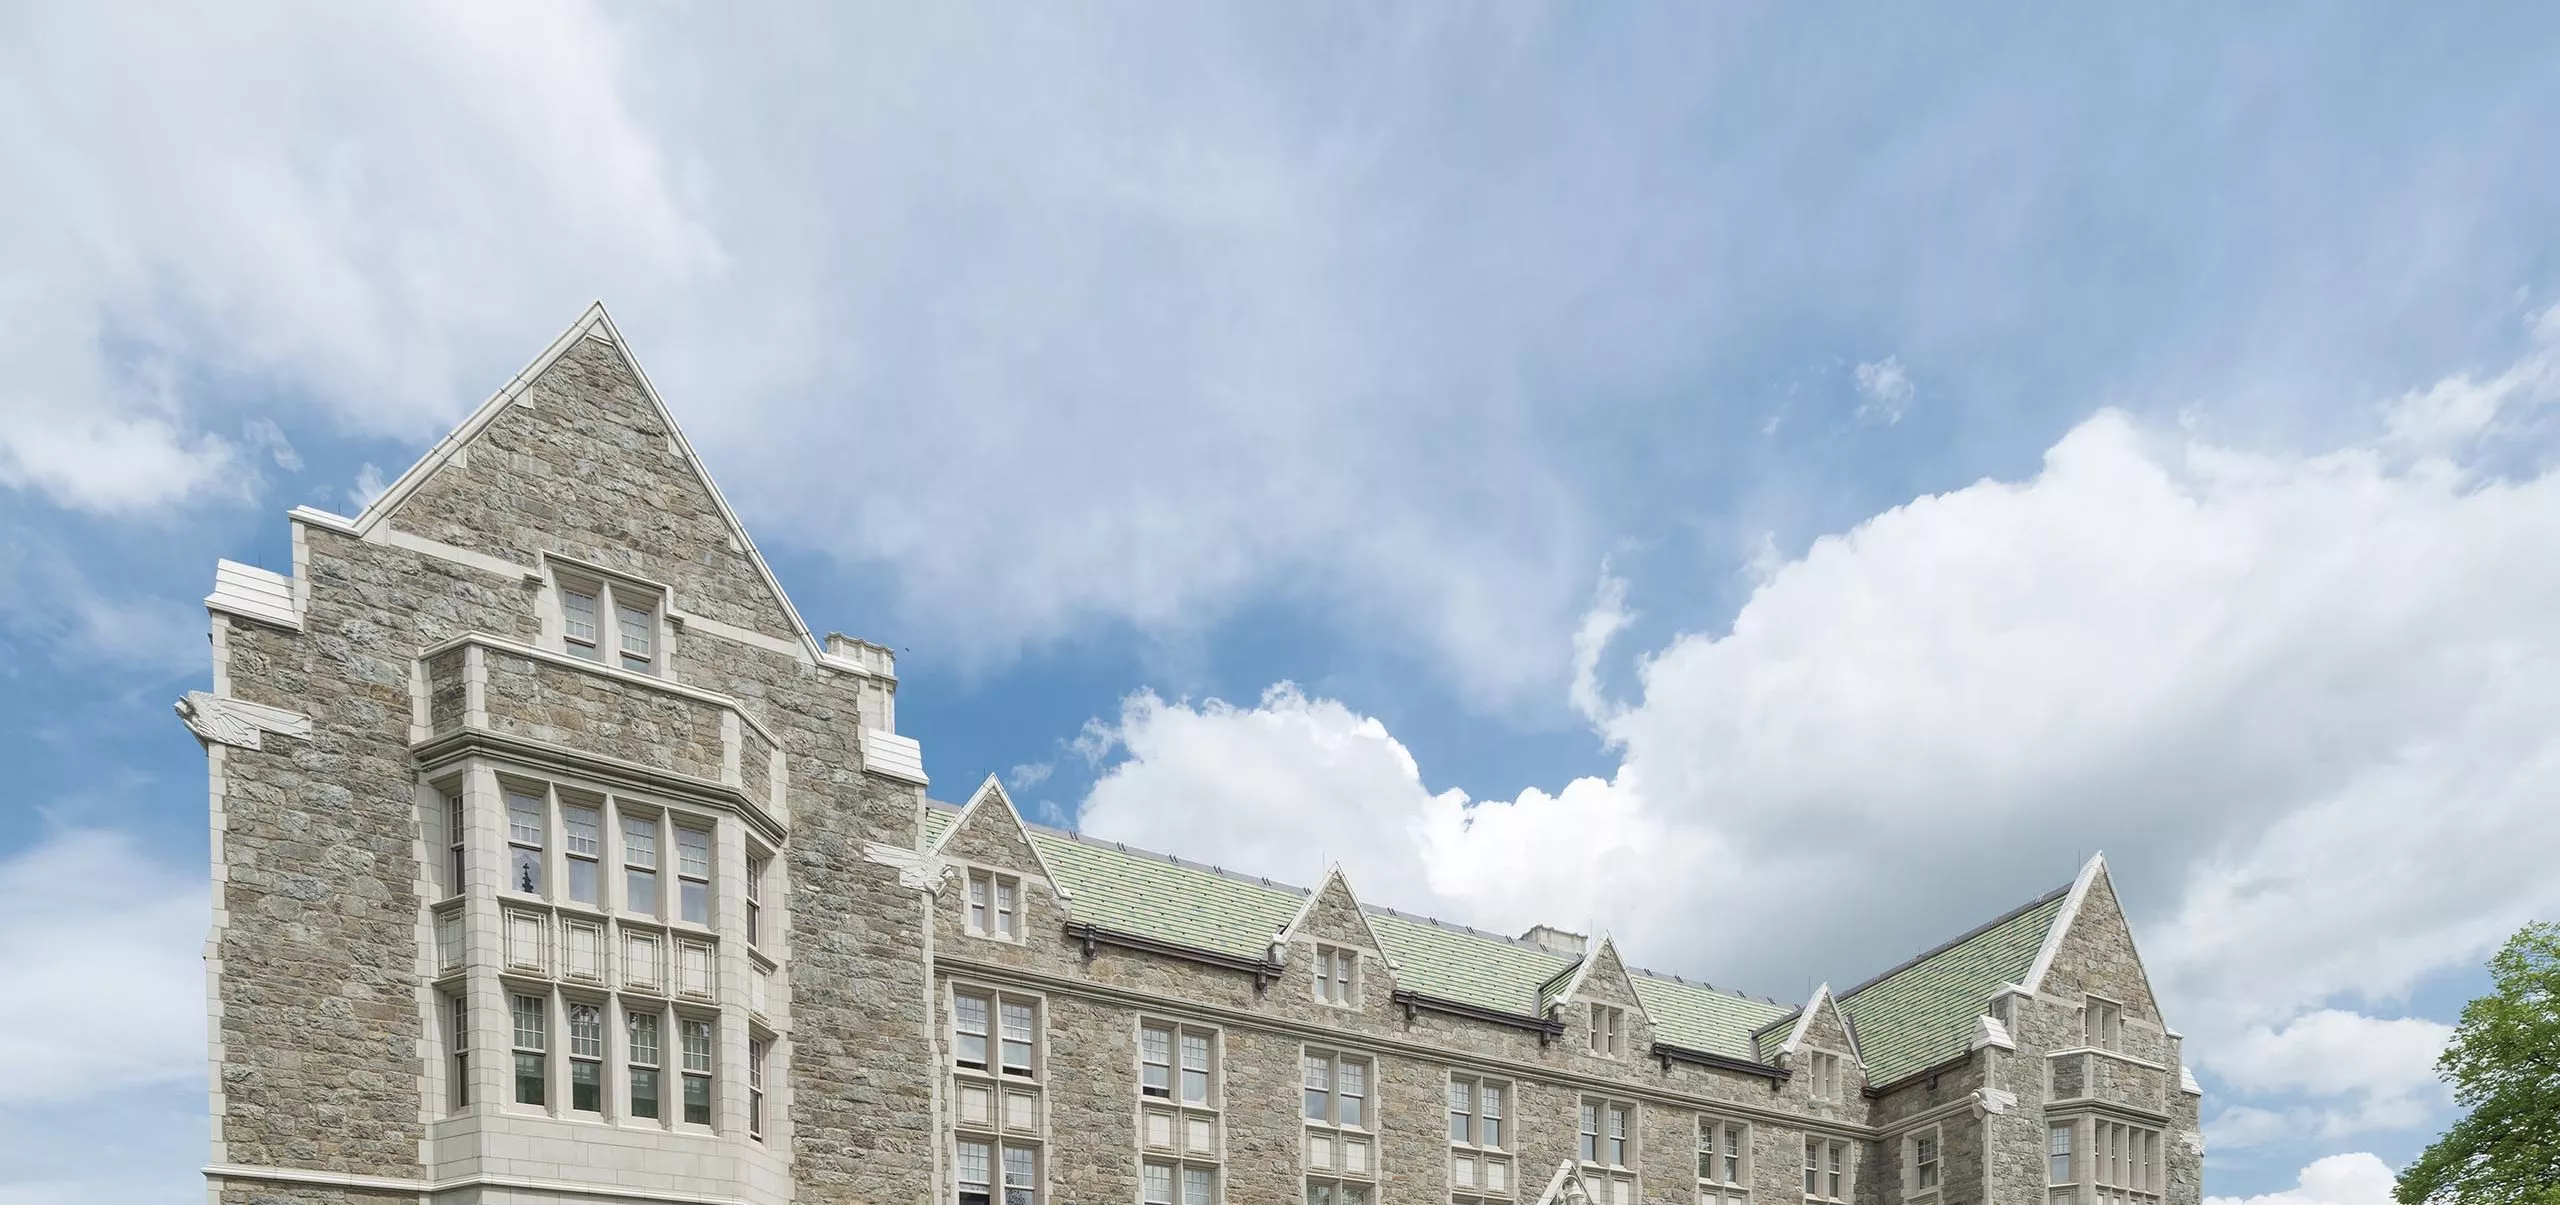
[(1994, 1101), (238, 723), (917, 870)]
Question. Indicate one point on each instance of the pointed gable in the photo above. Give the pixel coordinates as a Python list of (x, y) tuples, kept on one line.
[(561, 460), (1332, 915), (989, 832), (1818, 1025), (2089, 948)]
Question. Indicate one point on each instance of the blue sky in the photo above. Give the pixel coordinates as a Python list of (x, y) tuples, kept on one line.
[(1639, 462)]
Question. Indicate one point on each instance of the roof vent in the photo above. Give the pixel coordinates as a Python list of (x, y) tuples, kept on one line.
[(1556, 941)]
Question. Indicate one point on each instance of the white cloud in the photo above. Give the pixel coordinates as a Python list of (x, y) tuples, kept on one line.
[(2356, 1179), (339, 204), (2381, 1071), (96, 922), (1029, 774), (368, 486), (1886, 388), (2309, 704)]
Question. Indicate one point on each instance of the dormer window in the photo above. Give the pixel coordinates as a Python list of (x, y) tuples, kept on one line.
[(1825, 1069), (611, 622), (1608, 1030), (1337, 976), (995, 905)]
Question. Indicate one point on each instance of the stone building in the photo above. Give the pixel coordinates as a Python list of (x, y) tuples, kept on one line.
[(557, 860)]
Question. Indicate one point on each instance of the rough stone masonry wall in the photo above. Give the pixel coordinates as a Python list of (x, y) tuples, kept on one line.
[(1091, 1063), (319, 1018)]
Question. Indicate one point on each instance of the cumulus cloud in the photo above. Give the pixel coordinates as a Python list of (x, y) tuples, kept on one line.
[(2355, 1179), (2236, 671), (337, 205)]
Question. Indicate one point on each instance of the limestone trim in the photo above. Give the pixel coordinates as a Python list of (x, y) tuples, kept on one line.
[(1580, 977), (2061, 927), (1514, 1070), (2104, 1053), (553, 657), (594, 771), (427, 1188), (237, 722), (251, 593), (991, 793), (597, 324)]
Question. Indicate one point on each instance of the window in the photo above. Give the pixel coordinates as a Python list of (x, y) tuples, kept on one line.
[(1021, 1175), (644, 1064), (2102, 1024), (697, 1070), (755, 900), (1019, 1021), (455, 846), (1479, 1168), (1824, 1070), (1608, 1030), (975, 1158), (1178, 1121), (756, 1048), (583, 605), (458, 1040), (1338, 976), (2058, 1153), (640, 864), (530, 1048), (1341, 1157), (1825, 1169), (1608, 1133), (995, 905), (582, 832), (2126, 1163), (525, 825), (693, 875), (578, 607), (586, 1058), (1920, 1163), (969, 1031), (639, 637), (1721, 1171)]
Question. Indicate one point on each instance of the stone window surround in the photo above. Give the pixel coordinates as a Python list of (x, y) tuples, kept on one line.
[(2085, 1185), (483, 984), (1822, 1074), (1831, 1169), (1337, 976), (1366, 1136), (613, 808), (1593, 1115), (995, 881), (611, 589), (1496, 1154), (2102, 1023), (614, 1089), (1717, 1187), (1608, 1030), (1177, 1154), (998, 1131), (1912, 1189)]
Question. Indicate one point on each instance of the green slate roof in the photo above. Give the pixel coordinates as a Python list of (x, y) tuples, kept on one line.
[(1910, 1015), (1171, 900), (1923, 1012)]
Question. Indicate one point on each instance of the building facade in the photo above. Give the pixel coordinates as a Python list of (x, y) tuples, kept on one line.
[(556, 859)]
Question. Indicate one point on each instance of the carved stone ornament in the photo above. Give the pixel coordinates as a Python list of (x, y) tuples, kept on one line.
[(1993, 1100), (238, 723), (917, 869)]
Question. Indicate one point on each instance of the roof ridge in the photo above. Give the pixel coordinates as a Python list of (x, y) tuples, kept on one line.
[(1968, 935), (1068, 834)]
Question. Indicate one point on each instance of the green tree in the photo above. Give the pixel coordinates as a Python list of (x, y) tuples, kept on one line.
[(2504, 1065)]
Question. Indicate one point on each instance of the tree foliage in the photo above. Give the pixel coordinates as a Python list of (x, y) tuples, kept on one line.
[(2504, 1065)]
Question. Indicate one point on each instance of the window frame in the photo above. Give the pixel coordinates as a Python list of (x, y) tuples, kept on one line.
[(1828, 1168), (458, 1051), (1337, 976), (687, 1075), (991, 905), (629, 823), (1608, 1030), (2102, 1023), (1928, 1140), (1732, 1156), (651, 1069), (612, 596), (689, 880), (532, 1061), (1478, 1138), (1183, 1119), (759, 864), (570, 1008), (758, 1050), (527, 840), (1334, 1179)]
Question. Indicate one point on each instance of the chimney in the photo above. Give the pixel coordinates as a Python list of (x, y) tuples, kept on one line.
[(1556, 941)]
